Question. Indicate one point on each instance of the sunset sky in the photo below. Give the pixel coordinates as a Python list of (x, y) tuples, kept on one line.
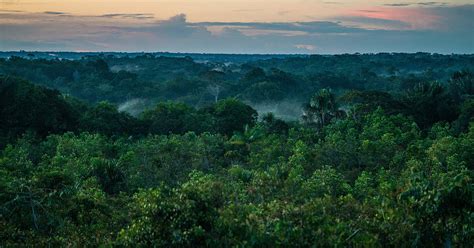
[(238, 26)]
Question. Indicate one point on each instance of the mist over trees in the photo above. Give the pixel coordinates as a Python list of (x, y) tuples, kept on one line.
[(151, 78), (371, 150)]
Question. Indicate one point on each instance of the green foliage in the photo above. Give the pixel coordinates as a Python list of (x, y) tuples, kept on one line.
[(176, 118), (364, 102), (465, 117), (106, 119), (232, 115), (187, 190), (184, 216), (25, 107), (396, 171), (429, 103), (321, 109), (264, 92), (325, 181), (461, 85)]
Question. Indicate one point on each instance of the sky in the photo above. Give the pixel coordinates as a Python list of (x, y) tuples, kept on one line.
[(238, 26)]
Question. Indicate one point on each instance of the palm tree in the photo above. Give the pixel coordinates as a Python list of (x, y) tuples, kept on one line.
[(321, 108)]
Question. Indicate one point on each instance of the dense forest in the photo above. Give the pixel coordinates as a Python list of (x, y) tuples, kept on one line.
[(361, 150), (278, 85)]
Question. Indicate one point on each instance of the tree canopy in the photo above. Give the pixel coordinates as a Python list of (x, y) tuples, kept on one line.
[(359, 167)]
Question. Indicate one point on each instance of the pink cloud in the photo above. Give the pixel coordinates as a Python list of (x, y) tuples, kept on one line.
[(311, 48), (417, 18)]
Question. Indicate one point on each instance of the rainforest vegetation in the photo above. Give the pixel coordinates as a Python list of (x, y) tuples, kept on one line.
[(347, 150)]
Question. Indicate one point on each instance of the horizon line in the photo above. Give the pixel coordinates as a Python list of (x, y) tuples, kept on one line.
[(217, 53)]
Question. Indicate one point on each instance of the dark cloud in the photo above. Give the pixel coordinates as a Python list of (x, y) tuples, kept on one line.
[(432, 3), (456, 19), (416, 3), (451, 34), (398, 4), (175, 27), (131, 16), (55, 13), (320, 27)]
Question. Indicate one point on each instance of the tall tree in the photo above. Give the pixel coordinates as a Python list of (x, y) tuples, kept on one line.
[(321, 108)]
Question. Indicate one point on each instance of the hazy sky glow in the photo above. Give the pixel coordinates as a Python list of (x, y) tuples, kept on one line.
[(238, 26)]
